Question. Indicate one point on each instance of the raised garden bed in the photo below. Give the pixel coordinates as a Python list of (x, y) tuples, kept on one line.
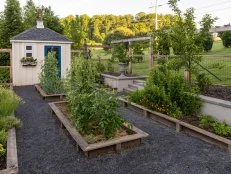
[(49, 97), (120, 82), (11, 157), (132, 137), (220, 92), (190, 128)]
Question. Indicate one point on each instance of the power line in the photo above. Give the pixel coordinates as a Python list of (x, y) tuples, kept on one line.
[(215, 10), (220, 3)]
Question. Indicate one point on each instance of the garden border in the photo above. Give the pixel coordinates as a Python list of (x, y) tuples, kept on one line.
[(91, 150), (12, 157), (179, 125), (48, 97)]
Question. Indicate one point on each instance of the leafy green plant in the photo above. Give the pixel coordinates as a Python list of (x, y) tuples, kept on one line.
[(120, 52), (49, 78), (203, 82), (9, 122), (206, 121), (9, 101), (3, 137), (4, 75), (221, 128), (94, 111), (2, 150)]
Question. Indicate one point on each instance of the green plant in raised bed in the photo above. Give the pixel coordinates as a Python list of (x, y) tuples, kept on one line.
[(93, 111), (203, 82), (49, 78), (9, 101), (206, 121), (2, 150), (221, 128)]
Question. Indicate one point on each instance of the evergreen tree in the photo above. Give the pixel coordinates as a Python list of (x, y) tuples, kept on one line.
[(12, 22), (29, 14)]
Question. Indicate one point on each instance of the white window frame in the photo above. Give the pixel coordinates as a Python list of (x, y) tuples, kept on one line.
[(29, 51)]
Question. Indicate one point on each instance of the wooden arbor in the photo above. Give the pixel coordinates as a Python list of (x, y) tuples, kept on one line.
[(151, 60), (10, 67)]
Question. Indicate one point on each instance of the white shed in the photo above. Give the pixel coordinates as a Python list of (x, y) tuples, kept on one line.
[(37, 42)]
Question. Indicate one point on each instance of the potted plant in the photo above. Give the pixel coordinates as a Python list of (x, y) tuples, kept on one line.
[(121, 53), (28, 61)]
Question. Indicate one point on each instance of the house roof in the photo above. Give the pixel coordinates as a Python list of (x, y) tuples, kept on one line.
[(40, 34)]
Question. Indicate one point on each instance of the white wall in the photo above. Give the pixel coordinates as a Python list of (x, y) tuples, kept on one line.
[(30, 75)]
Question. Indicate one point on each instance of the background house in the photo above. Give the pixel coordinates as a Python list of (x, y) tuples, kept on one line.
[(37, 42)]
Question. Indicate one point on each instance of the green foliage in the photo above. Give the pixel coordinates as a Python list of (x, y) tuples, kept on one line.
[(206, 38), (4, 75), (206, 121), (222, 128), (2, 150), (9, 122), (49, 79), (120, 52), (3, 137), (93, 111), (29, 14), (163, 42), (11, 22), (9, 101), (185, 39), (226, 38), (138, 50), (203, 82)]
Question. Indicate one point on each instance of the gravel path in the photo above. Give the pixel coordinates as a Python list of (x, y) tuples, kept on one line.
[(43, 147)]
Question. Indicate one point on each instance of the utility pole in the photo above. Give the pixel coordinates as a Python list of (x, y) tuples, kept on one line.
[(156, 17)]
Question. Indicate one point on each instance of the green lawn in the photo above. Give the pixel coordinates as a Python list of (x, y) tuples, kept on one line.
[(220, 66)]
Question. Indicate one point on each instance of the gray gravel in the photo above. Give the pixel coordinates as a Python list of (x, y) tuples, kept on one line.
[(43, 147)]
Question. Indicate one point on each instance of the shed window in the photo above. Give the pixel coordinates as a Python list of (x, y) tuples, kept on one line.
[(29, 51)]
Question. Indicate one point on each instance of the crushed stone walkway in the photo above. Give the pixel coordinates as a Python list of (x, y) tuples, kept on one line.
[(45, 148)]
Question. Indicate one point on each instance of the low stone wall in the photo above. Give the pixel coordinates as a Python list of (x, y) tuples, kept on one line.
[(219, 109), (120, 83)]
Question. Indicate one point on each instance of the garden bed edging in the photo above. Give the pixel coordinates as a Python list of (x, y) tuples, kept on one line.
[(120, 82), (92, 150), (179, 125), (49, 97), (12, 157)]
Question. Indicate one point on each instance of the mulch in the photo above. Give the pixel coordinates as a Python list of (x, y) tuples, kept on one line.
[(2, 162), (220, 92)]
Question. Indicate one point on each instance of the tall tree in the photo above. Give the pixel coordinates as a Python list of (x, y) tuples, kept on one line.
[(12, 22), (206, 38), (29, 14)]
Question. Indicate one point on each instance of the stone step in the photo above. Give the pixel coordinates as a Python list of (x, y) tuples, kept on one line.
[(139, 82), (129, 90), (135, 86)]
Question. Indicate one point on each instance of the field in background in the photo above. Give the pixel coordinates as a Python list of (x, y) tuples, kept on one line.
[(215, 61)]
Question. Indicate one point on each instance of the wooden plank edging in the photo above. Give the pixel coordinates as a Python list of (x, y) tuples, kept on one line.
[(12, 157), (139, 134), (45, 96), (180, 125)]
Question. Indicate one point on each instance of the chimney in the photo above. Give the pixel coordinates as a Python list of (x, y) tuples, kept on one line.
[(40, 24)]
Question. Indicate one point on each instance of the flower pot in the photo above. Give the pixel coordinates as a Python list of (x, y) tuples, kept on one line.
[(122, 68)]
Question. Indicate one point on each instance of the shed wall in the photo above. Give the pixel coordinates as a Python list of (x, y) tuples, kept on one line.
[(30, 75)]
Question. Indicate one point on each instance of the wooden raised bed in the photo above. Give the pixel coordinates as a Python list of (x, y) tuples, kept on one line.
[(12, 157), (49, 97), (109, 146), (179, 125)]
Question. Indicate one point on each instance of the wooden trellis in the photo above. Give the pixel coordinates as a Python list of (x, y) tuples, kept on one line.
[(151, 60), (10, 67)]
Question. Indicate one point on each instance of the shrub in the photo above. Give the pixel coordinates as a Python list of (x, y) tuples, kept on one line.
[(49, 78), (221, 128), (3, 137), (9, 122), (203, 82), (4, 75), (206, 121), (9, 101), (2, 150), (226, 38), (93, 111)]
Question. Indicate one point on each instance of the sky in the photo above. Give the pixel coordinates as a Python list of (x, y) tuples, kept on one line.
[(62, 8)]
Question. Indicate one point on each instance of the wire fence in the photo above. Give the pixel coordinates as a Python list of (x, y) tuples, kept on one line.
[(4, 67)]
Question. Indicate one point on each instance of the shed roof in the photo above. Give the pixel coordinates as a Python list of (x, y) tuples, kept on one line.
[(40, 34)]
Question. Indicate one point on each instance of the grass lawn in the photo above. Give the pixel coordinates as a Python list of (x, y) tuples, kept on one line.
[(220, 66)]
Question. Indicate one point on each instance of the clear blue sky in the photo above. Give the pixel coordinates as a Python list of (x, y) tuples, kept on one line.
[(62, 8)]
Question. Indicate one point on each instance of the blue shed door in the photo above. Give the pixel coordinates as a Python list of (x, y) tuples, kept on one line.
[(57, 50)]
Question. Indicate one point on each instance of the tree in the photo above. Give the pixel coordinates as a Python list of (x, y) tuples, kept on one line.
[(52, 21), (29, 14), (206, 38), (226, 38), (12, 22), (185, 38)]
